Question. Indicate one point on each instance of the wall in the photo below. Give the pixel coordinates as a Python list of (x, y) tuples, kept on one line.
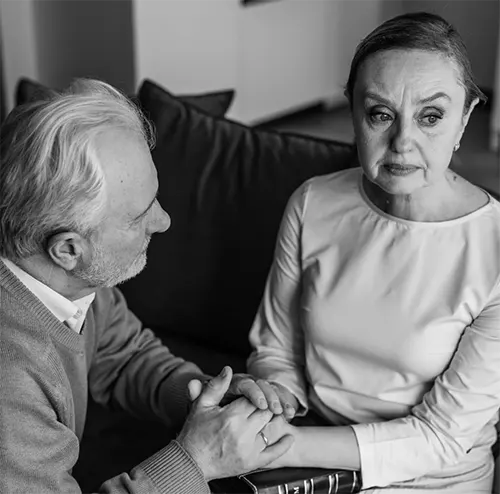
[(391, 8), (278, 56), (53, 41), (284, 50), (350, 21), (18, 44), (298, 52), (84, 38), (478, 23), (187, 45)]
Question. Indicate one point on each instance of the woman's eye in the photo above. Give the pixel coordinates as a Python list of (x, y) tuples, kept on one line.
[(430, 120), (379, 117)]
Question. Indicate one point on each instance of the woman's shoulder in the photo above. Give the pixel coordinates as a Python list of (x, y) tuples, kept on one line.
[(478, 203), (338, 179), (327, 195), (341, 181), (337, 186)]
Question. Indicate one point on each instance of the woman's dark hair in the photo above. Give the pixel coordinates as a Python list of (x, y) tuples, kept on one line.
[(418, 31)]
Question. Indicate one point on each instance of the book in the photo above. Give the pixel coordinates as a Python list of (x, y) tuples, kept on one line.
[(291, 481)]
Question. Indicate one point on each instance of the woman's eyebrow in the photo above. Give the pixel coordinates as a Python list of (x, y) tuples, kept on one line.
[(439, 94), (428, 99), (375, 96)]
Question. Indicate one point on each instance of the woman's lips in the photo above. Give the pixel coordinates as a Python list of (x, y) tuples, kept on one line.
[(400, 170)]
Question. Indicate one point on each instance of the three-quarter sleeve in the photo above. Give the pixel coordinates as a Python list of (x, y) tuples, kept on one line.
[(276, 334), (451, 417)]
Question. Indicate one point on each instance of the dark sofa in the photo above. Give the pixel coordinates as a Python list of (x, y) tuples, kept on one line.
[(225, 186)]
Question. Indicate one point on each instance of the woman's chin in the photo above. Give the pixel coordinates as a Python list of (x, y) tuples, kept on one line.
[(398, 180)]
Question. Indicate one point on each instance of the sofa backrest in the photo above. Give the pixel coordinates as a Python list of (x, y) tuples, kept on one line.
[(225, 187), (214, 103)]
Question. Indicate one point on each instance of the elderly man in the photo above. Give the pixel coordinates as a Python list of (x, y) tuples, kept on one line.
[(77, 210)]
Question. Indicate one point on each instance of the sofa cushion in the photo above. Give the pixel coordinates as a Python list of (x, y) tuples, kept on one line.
[(225, 186), (215, 103), (28, 90), (211, 360)]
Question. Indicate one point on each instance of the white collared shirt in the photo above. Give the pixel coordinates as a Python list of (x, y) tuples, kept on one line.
[(71, 313)]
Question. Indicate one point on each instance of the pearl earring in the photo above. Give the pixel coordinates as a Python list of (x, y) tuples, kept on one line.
[(456, 147)]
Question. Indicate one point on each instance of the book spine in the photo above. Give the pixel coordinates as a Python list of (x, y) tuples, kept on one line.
[(329, 484)]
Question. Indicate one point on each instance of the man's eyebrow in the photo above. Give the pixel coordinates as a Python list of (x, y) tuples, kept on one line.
[(149, 207), (429, 99)]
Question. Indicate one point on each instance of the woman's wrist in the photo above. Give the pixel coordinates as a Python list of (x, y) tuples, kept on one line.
[(323, 447), (296, 453)]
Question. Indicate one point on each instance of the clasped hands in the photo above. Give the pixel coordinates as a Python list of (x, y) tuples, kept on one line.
[(237, 424)]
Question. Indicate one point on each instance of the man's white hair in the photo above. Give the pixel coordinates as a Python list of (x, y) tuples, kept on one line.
[(50, 178)]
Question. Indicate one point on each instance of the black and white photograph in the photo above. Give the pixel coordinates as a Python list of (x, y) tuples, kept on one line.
[(250, 246)]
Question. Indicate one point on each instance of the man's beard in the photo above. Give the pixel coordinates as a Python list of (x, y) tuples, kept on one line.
[(104, 270)]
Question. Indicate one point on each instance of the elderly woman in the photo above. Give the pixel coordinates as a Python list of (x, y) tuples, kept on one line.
[(381, 312)]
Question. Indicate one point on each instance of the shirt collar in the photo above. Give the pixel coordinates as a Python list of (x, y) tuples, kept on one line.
[(62, 308)]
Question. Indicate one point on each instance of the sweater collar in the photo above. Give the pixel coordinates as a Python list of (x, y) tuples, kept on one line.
[(72, 313)]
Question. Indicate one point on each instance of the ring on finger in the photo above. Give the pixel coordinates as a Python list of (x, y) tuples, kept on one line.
[(264, 438)]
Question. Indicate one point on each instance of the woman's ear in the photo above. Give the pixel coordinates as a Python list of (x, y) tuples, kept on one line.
[(465, 119), (66, 249), (467, 114), (348, 98)]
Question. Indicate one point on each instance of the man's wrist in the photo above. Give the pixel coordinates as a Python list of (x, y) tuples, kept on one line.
[(191, 451)]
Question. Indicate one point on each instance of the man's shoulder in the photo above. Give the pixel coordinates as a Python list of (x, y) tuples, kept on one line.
[(108, 305), (26, 350), (108, 297), (19, 326)]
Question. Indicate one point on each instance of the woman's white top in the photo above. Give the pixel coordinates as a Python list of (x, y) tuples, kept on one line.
[(391, 325)]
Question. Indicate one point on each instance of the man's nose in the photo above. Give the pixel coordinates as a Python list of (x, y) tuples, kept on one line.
[(160, 222), (402, 136)]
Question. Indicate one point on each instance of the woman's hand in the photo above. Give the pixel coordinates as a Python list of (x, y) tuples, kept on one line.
[(275, 429), (263, 395), (228, 441)]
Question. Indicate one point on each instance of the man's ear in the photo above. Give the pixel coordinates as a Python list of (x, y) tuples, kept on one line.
[(67, 249)]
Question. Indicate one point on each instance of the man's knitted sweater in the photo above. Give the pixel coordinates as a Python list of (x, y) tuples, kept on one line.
[(46, 370)]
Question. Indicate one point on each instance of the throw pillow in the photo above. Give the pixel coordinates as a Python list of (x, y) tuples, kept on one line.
[(28, 90), (215, 103), (225, 186)]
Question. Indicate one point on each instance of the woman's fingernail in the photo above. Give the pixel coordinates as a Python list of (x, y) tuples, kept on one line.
[(262, 403)]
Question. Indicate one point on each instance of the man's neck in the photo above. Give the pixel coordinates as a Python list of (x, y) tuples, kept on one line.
[(55, 277)]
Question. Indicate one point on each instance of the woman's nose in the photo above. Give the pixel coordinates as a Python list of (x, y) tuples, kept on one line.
[(402, 136)]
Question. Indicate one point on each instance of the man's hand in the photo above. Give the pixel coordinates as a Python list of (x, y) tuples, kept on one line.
[(263, 395), (226, 441)]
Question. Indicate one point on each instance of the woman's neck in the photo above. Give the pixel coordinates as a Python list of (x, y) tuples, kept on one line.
[(448, 199)]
